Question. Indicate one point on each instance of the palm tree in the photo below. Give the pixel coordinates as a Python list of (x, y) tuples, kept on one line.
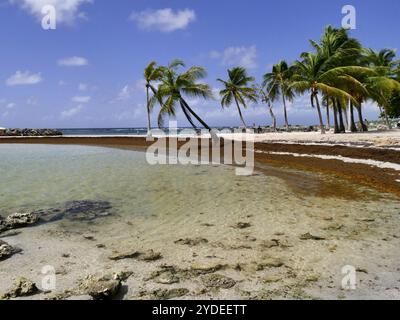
[(268, 98), (278, 82), (237, 89), (338, 49), (175, 86), (314, 75), (151, 74), (382, 85)]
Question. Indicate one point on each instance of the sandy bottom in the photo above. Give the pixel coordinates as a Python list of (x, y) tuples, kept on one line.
[(249, 229)]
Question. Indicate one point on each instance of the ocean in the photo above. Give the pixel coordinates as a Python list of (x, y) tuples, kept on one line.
[(115, 131)]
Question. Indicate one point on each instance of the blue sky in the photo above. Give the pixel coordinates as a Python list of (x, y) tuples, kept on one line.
[(88, 72)]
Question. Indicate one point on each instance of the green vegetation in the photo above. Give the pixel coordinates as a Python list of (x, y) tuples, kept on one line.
[(338, 74)]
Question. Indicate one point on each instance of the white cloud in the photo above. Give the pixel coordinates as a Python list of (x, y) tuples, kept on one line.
[(129, 90), (125, 93), (83, 87), (71, 112), (67, 10), (23, 78), (164, 20), (32, 101), (10, 105), (237, 56), (73, 62), (80, 99), (137, 113)]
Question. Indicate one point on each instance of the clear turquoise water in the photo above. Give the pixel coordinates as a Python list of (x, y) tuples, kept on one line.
[(154, 206)]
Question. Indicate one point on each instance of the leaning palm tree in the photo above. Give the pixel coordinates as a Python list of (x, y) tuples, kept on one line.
[(152, 73), (278, 82), (237, 89), (176, 86)]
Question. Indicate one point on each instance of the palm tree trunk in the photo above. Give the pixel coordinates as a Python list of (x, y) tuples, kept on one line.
[(346, 117), (195, 115), (353, 127), (335, 116), (387, 118), (272, 116), (321, 121), (148, 112), (328, 119), (188, 117), (342, 128), (360, 116), (285, 112), (240, 113)]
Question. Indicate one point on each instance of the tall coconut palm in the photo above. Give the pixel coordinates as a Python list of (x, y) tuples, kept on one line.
[(338, 50), (238, 89), (278, 82), (152, 73), (176, 86)]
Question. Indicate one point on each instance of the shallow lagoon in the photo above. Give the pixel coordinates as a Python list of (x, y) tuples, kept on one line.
[(244, 223)]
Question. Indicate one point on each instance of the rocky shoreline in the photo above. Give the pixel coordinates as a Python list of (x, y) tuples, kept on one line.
[(30, 132)]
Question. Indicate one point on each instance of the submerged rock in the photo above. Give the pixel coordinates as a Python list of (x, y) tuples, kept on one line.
[(272, 278), (218, 281), (270, 263), (18, 220), (82, 210), (6, 251), (242, 225), (147, 256), (191, 242), (309, 236), (166, 294), (172, 274), (124, 255), (22, 287), (104, 288), (165, 275), (199, 269), (123, 275), (268, 244)]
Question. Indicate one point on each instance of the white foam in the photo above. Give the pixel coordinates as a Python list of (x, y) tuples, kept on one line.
[(374, 163)]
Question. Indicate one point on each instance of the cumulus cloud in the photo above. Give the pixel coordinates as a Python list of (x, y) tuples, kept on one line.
[(23, 78), (164, 20), (73, 62), (66, 114), (125, 93), (80, 99), (67, 10), (10, 105), (237, 56)]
